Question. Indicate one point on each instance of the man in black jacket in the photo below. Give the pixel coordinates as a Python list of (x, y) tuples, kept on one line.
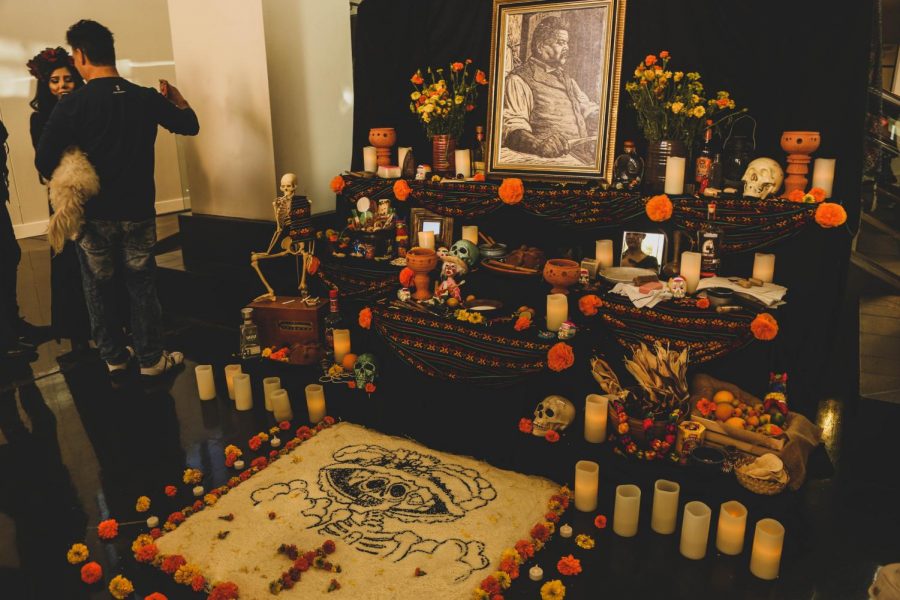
[(115, 122)]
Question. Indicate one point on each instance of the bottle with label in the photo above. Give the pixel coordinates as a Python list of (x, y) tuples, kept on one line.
[(333, 320), (478, 151), (704, 160), (249, 335), (710, 243)]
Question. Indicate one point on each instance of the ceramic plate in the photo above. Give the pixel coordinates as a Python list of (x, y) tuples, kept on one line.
[(624, 274)]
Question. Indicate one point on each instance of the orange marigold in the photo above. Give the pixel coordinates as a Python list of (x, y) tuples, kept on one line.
[(522, 323), (224, 591), (417, 78), (589, 304), (795, 195), (365, 318), (108, 529), (511, 190), (156, 596), (569, 565), (91, 572), (406, 277), (525, 549), (457, 66), (650, 60), (831, 214), (551, 436), (478, 177), (337, 184), (764, 327), (818, 194), (560, 357), (664, 54), (401, 190), (146, 553), (540, 532), (600, 522), (659, 208), (480, 77), (703, 303)]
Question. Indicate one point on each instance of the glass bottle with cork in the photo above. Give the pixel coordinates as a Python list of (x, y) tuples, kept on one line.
[(478, 151), (710, 243), (333, 320), (703, 164), (249, 335)]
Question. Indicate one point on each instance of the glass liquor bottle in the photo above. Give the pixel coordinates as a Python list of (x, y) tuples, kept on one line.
[(710, 243), (704, 161), (249, 335), (478, 151), (628, 168), (333, 320)]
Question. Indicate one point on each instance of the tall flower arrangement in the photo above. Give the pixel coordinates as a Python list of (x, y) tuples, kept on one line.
[(441, 102)]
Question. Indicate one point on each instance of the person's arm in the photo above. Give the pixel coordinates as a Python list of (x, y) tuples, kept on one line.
[(173, 112), (518, 102), (58, 135)]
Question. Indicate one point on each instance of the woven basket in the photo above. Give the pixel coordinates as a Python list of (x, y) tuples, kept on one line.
[(764, 487)]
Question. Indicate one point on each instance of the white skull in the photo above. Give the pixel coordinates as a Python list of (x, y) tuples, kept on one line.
[(288, 185), (678, 287), (762, 177), (553, 413)]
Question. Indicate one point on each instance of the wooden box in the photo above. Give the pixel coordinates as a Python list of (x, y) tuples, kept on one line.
[(288, 321)]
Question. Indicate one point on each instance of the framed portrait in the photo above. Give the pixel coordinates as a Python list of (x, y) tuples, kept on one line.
[(554, 88), (644, 250), (425, 220)]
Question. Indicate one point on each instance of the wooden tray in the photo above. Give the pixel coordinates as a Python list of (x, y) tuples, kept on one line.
[(748, 437)]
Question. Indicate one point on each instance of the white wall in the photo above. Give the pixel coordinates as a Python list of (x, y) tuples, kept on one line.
[(311, 90), (144, 52)]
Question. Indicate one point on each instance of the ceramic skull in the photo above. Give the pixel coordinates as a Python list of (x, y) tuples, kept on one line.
[(762, 177), (288, 185), (365, 370), (678, 287), (553, 413), (465, 250)]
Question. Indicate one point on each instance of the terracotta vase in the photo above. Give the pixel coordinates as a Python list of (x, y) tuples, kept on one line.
[(561, 273), (655, 166), (798, 145), (383, 138), (443, 157), (422, 261)]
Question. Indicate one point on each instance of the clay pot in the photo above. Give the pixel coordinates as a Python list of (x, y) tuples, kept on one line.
[(383, 138), (561, 273), (798, 145), (443, 155), (800, 142), (422, 261)]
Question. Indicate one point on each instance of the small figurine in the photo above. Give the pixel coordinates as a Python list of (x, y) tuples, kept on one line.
[(423, 172), (567, 330), (401, 237), (453, 267), (678, 287), (384, 215), (584, 276)]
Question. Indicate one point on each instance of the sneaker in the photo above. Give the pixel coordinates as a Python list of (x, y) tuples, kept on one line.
[(113, 367), (167, 362)]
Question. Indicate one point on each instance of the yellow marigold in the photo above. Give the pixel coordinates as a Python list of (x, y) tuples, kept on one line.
[(231, 448), (480, 594), (185, 573), (263, 436), (699, 111), (210, 499), (142, 504), (78, 553), (511, 554), (659, 208), (830, 214), (401, 189), (503, 578), (192, 476), (511, 190), (764, 327), (678, 76), (584, 541), (677, 106), (553, 590), (560, 357), (337, 184), (476, 318), (141, 540), (120, 587)]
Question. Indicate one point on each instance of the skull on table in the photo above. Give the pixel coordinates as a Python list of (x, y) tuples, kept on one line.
[(554, 413), (465, 250), (762, 177), (365, 370)]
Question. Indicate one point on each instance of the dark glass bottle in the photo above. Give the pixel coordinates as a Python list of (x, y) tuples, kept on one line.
[(478, 151), (333, 320), (628, 168), (704, 160), (710, 243)]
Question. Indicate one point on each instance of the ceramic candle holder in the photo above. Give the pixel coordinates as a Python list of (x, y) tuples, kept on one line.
[(561, 273)]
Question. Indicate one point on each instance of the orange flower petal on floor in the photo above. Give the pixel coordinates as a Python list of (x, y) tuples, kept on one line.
[(365, 318), (402, 190), (818, 194), (560, 357), (337, 184), (569, 565), (511, 190), (108, 529), (659, 208), (589, 304), (831, 214), (764, 327), (795, 195), (91, 572)]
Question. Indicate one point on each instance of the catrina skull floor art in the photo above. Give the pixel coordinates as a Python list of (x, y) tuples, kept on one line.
[(391, 505)]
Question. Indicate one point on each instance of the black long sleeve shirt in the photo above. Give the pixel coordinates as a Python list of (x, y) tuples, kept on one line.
[(115, 123)]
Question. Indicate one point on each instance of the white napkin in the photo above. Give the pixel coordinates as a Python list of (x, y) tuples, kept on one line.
[(770, 294), (638, 298)]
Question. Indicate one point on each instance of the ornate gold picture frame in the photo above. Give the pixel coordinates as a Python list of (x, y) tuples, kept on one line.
[(554, 88)]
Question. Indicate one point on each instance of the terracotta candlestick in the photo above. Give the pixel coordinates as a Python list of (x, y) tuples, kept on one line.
[(561, 273), (799, 145), (422, 261), (383, 138)]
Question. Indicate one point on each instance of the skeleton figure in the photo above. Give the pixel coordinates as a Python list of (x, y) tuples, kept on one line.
[(292, 213), (762, 177), (452, 268), (552, 413)]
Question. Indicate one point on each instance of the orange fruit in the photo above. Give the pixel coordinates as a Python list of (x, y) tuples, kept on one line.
[(753, 421), (723, 396), (738, 412), (724, 411), (736, 422), (348, 361)]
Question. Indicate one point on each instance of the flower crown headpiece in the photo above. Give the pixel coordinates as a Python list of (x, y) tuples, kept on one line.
[(47, 61)]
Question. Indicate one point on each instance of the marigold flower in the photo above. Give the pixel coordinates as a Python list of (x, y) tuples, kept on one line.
[(510, 566), (522, 323), (650, 60), (664, 54), (600, 521), (406, 277), (156, 533), (365, 318), (156, 596), (699, 111), (255, 442), (659, 208), (676, 107), (337, 184), (584, 541), (560, 357), (525, 425), (589, 304), (142, 504), (490, 585), (553, 590), (120, 587), (108, 529), (511, 190), (552, 517), (210, 499), (457, 66), (176, 517), (551, 436), (78, 553), (370, 387), (480, 77), (417, 78), (91, 572), (830, 214), (569, 565), (185, 573), (192, 476), (764, 327), (818, 194), (171, 563), (540, 532), (795, 195), (170, 490), (704, 406), (402, 190), (702, 303), (478, 177), (146, 553)]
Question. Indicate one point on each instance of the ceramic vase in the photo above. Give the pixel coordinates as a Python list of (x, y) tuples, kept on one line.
[(383, 138), (655, 166), (561, 273), (422, 261), (443, 147), (798, 145)]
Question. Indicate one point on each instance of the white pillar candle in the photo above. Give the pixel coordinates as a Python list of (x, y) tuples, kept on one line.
[(690, 270), (627, 510), (463, 164), (152, 522), (764, 267), (230, 371), (603, 253), (535, 573), (243, 394), (341, 344), (695, 530), (587, 481), (470, 233), (596, 409), (674, 176), (732, 525), (281, 407), (768, 540), (270, 384), (402, 151), (315, 402), (591, 265), (557, 311), (426, 239), (823, 175), (565, 531), (665, 506), (206, 385), (370, 159)]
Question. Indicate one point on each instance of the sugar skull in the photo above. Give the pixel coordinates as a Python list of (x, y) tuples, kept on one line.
[(365, 370)]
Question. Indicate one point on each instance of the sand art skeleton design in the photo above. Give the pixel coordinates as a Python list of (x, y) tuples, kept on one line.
[(369, 483)]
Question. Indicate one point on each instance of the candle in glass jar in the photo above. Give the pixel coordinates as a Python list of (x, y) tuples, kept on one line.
[(557, 311), (732, 525), (243, 394), (206, 385), (823, 175), (230, 371), (690, 270), (674, 176), (764, 267), (603, 254), (695, 530), (768, 541), (463, 164), (627, 510), (341, 344), (370, 159), (470, 233), (587, 481), (315, 402), (665, 506), (596, 409), (270, 384), (426, 239), (281, 406)]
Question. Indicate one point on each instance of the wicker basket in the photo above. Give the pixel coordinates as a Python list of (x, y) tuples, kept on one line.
[(764, 487)]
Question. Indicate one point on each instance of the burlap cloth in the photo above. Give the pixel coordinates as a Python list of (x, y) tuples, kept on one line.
[(803, 436)]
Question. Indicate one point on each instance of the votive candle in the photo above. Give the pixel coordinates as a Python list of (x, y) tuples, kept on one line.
[(341, 344), (243, 394), (315, 402), (604, 253), (463, 164), (230, 371), (768, 541), (470, 233), (206, 385), (587, 481), (557, 311), (674, 176), (695, 530), (731, 529), (665, 506), (565, 531), (370, 159), (281, 406), (596, 409), (270, 384), (823, 175), (627, 510), (152, 522), (690, 270), (426, 239), (535, 573), (764, 267)]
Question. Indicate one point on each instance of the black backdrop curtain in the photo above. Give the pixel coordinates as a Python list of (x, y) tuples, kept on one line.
[(797, 65)]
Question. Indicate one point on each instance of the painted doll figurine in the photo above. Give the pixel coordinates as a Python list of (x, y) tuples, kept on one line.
[(453, 267)]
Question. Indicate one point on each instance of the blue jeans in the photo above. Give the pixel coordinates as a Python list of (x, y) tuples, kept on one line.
[(109, 251)]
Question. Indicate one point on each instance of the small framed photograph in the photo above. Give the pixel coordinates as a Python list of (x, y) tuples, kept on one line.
[(643, 250), (425, 220)]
